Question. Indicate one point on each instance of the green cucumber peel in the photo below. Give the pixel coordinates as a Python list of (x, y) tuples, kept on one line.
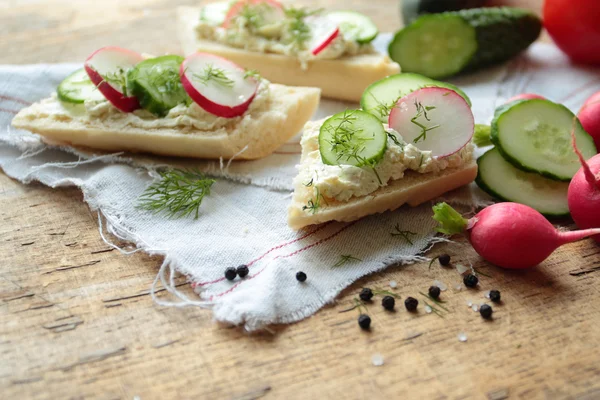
[(450, 220)]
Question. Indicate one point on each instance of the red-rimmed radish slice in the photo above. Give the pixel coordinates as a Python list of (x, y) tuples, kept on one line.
[(524, 96), (323, 31), (272, 13), (218, 85), (107, 68), (434, 119)]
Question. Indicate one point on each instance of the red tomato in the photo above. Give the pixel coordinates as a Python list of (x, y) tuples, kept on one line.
[(575, 28), (236, 8)]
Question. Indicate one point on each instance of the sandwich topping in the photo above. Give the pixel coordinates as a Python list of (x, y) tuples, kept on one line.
[(267, 26), (201, 92)]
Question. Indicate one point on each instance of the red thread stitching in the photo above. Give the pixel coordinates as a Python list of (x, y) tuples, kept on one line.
[(284, 256), (265, 254), (27, 103), (8, 111)]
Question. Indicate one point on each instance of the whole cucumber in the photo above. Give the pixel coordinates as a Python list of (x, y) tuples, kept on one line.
[(412, 9)]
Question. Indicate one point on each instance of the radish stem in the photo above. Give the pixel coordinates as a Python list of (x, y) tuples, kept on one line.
[(589, 175), (573, 236), (451, 222)]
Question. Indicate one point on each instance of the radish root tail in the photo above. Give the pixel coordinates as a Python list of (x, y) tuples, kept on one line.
[(589, 175)]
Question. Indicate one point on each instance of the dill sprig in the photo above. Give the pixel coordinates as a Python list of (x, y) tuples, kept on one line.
[(309, 183), (395, 140), (252, 73), (215, 74), (118, 79), (344, 259), (165, 80), (404, 234), (422, 112), (298, 28), (383, 109), (178, 193), (313, 205)]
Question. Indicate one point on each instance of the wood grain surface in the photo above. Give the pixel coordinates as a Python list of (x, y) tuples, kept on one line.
[(76, 320)]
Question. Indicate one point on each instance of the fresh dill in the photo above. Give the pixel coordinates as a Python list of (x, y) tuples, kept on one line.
[(422, 112), (252, 73), (404, 234), (437, 301), (254, 14), (117, 79), (383, 109), (395, 140), (422, 158), (214, 74), (309, 183), (344, 259), (178, 193), (357, 304), (434, 310), (166, 80), (313, 205), (298, 29)]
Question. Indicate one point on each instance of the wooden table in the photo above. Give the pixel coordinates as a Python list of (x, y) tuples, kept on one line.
[(76, 320)]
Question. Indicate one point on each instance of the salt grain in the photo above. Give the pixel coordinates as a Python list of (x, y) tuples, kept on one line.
[(377, 360), (462, 337), (487, 294), (441, 285), (461, 269), (458, 287), (393, 284), (475, 307), (428, 309)]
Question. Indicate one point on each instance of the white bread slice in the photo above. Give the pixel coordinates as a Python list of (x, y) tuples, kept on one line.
[(263, 131), (413, 189), (344, 79)]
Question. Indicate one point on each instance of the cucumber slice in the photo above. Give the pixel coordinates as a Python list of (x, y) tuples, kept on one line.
[(437, 45), (355, 26), (214, 13), (77, 88), (535, 135), (502, 180), (352, 137), (157, 84), (380, 97)]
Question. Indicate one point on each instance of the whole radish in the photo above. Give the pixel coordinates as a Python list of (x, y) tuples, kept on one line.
[(525, 96), (589, 116), (584, 192), (509, 235)]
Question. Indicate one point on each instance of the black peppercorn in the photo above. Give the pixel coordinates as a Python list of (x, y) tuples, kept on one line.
[(366, 294), (364, 321), (230, 273), (486, 311), (388, 302), (300, 276), (434, 292), (411, 303), (470, 280), (495, 296), (242, 271), (444, 260)]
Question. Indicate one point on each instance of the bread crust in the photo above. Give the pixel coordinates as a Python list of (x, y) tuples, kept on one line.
[(344, 79), (263, 132)]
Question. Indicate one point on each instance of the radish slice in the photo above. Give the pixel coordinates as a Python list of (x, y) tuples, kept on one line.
[(434, 119), (107, 68), (323, 32), (219, 86), (270, 14)]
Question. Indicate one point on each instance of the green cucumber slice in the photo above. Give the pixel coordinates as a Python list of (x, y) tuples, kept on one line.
[(380, 97), (535, 135), (214, 13), (502, 180), (352, 137), (355, 26), (157, 84), (437, 45), (77, 88)]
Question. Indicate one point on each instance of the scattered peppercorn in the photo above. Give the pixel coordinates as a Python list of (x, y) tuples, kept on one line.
[(388, 302), (434, 292), (486, 311), (300, 276), (470, 280), (364, 321), (242, 271), (495, 296), (366, 294), (411, 303), (444, 260), (230, 273)]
